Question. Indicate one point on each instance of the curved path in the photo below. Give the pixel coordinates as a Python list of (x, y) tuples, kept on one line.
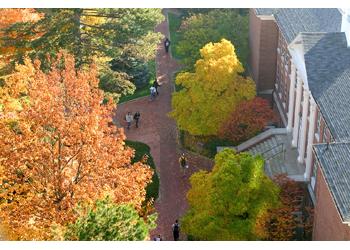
[(159, 131)]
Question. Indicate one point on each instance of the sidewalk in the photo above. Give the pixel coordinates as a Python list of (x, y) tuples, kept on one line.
[(159, 131)]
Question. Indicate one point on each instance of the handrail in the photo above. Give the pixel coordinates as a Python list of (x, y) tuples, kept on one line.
[(260, 137), (263, 153)]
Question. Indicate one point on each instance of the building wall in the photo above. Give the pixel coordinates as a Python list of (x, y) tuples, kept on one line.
[(263, 36), (327, 221)]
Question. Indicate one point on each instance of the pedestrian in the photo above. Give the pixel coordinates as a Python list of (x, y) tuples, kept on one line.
[(158, 238), (183, 163), (156, 85), (137, 118), (166, 45), (176, 230), (153, 93), (128, 119)]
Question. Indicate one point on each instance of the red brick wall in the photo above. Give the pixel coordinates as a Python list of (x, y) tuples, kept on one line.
[(263, 35), (327, 221)]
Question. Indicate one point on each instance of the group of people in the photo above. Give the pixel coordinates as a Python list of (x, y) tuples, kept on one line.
[(154, 88), (130, 118)]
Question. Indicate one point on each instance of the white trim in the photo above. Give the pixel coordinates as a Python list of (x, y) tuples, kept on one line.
[(296, 112), (302, 143), (310, 138)]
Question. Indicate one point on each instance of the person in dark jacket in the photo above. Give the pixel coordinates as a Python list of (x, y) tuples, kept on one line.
[(156, 85), (137, 118), (176, 230), (167, 45)]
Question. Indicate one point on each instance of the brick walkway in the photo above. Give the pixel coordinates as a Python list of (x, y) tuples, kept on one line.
[(159, 131)]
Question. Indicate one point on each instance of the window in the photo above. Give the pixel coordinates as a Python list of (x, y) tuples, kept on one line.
[(314, 174), (318, 126), (325, 134)]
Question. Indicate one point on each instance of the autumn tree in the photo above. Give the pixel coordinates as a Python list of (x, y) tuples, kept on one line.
[(108, 221), (212, 92), (249, 118), (226, 203), (281, 222), (201, 28), (91, 33), (59, 148)]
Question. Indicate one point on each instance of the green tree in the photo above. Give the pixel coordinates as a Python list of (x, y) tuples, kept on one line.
[(108, 221), (227, 203), (201, 28), (88, 34), (212, 92)]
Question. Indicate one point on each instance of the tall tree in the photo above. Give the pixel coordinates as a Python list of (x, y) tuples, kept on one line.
[(201, 28), (226, 203), (89, 33), (212, 92), (59, 148), (108, 221)]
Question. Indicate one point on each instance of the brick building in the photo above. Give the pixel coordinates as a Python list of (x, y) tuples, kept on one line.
[(301, 58)]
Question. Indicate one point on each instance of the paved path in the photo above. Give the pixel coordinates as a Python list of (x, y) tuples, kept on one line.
[(159, 131)]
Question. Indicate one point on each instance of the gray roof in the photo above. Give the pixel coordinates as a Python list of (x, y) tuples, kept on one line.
[(335, 164), (327, 62), (294, 21), (266, 11)]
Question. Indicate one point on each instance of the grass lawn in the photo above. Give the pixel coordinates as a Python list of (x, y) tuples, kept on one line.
[(144, 91), (152, 189), (174, 25)]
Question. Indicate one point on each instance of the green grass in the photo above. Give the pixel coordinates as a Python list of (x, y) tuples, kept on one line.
[(174, 25), (152, 189), (143, 91)]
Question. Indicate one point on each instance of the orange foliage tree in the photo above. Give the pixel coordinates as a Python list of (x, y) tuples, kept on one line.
[(248, 119), (281, 222), (9, 17), (59, 148)]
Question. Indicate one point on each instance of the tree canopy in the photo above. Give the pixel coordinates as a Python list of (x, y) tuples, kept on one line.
[(59, 147), (228, 202), (105, 34), (201, 28), (108, 221), (212, 91)]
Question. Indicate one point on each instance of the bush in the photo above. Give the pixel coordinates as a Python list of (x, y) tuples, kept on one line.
[(248, 119)]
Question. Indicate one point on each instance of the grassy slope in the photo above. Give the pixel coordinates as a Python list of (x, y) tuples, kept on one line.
[(141, 149), (144, 91), (174, 24)]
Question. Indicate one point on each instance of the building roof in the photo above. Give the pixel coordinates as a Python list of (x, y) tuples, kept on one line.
[(293, 21), (335, 165), (266, 11), (327, 62)]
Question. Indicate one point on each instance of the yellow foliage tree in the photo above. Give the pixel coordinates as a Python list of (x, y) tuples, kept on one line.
[(212, 92)]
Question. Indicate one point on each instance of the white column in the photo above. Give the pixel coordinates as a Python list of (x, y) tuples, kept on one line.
[(310, 140), (296, 112), (291, 98), (301, 157)]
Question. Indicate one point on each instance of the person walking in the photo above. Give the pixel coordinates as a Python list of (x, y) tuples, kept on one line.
[(156, 85), (128, 119), (158, 238), (137, 118), (153, 93), (176, 230), (183, 163), (167, 45)]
